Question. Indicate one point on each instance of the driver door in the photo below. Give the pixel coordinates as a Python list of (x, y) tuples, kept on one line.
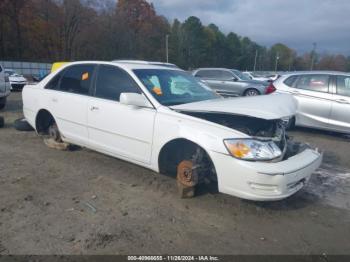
[(114, 128)]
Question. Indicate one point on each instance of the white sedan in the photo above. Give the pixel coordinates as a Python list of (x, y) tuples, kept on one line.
[(164, 119), (17, 81)]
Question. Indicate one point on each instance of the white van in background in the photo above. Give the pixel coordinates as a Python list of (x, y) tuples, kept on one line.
[(4, 87)]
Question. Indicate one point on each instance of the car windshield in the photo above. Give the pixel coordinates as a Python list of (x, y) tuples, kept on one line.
[(174, 87), (240, 75)]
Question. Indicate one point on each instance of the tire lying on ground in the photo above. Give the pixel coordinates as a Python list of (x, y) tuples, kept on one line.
[(21, 124), (2, 122)]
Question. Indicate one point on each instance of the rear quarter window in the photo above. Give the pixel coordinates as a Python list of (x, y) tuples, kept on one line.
[(290, 81)]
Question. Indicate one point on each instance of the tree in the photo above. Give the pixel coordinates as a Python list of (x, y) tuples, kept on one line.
[(13, 9), (234, 50), (284, 55), (132, 29)]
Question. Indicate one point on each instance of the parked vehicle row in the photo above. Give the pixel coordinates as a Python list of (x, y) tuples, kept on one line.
[(4, 87), (229, 82), (164, 119)]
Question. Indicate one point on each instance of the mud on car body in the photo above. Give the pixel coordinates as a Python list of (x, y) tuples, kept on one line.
[(164, 119)]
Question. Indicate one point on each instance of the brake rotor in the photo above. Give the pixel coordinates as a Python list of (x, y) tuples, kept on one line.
[(186, 174), (54, 133)]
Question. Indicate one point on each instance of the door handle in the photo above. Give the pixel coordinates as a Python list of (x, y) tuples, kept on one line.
[(94, 108), (342, 101)]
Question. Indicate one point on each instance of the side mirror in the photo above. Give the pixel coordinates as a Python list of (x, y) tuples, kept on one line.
[(233, 79), (134, 99)]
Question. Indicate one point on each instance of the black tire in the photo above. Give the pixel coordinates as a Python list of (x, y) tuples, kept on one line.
[(2, 102), (251, 92), (21, 124), (2, 122)]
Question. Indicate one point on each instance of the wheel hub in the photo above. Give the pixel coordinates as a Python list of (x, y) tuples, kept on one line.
[(186, 174)]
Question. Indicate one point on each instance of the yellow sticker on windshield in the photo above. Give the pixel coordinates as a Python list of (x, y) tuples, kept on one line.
[(157, 91), (85, 76)]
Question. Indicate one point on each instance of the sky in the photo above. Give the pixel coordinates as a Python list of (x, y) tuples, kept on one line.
[(296, 23)]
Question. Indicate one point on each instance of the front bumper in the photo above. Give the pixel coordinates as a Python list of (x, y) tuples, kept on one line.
[(17, 85), (261, 181)]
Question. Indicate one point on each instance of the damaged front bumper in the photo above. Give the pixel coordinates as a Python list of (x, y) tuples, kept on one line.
[(265, 181)]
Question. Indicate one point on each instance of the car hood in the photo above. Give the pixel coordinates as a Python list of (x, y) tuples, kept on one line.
[(267, 107)]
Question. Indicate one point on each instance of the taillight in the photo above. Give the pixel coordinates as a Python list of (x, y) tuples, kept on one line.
[(270, 89)]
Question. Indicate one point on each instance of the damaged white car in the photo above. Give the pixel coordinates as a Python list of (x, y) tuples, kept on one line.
[(164, 119)]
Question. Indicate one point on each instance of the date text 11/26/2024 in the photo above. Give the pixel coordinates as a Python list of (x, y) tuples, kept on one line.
[(173, 258)]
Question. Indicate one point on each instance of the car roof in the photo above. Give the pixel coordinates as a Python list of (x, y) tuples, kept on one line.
[(143, 62), (127, 64), (213, 68), (315, 72)]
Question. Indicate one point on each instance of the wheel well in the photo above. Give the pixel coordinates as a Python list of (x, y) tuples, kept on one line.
[(43, 120), (182, 149), (252, 88)]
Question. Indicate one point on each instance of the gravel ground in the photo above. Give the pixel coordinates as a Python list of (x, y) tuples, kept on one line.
[(82, 202)]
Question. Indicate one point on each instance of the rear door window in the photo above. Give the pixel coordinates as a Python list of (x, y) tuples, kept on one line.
[(290, 81), (343, 85), (226, 75), (209, 74), (77, 79), (317, 83), (112, 81)]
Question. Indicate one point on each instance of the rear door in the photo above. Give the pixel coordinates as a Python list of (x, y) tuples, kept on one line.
[(115, 128), (220, 80), (231, 84), (340, 114), (211, 77), (68, 97), (314, 100)]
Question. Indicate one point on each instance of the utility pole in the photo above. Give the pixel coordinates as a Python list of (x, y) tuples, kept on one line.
[(167, 47), (256, 58), (277, 58), (313, 56)]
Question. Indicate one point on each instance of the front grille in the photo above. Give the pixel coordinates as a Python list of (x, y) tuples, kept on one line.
[(17, 86)]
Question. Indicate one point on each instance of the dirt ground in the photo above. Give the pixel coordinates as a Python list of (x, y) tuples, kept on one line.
[(83, 202)]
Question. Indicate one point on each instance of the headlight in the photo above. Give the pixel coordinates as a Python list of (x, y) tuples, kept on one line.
[(252, 150)]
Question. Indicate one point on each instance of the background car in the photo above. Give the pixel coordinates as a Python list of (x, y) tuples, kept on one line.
[(252, 76), (323, 99), (4, 87), (230, 82), (17, 81)]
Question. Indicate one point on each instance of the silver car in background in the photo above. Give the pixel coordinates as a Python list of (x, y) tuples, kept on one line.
[(4, 87), (230, 82), (323, 99)]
